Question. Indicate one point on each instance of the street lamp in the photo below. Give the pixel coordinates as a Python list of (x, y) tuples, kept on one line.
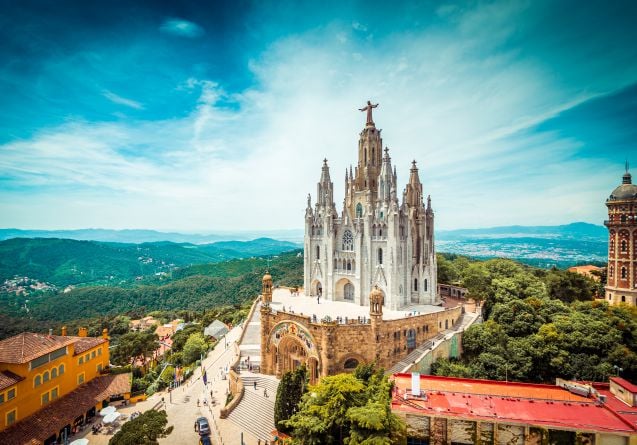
[(618, 370)]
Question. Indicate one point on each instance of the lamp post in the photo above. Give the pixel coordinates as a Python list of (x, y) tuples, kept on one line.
[(618, 370)]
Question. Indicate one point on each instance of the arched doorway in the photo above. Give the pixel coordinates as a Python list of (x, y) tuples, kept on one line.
[(349, 291), (316, 288), (293, 353), (344, 290)]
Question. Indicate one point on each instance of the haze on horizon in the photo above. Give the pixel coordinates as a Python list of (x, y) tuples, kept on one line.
[(179, 116)]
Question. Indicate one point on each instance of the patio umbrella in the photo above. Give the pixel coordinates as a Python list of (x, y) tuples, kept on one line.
[(79, 442), (112, 417), (108, 410)]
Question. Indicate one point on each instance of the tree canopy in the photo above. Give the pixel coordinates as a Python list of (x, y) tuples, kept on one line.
[(143, 430), (343, 409)]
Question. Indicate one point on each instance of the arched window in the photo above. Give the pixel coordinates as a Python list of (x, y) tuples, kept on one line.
[(624, 246), (54, 373), (380, 231), (624, 273), (350, 363), (623, 219), (359, 210), (61, 368), (611, 269), (348, 240), (425, 289), (318, 253), (380, 256), (37, 381), (623, 298), (349, 266), (45, 376), (416, 284)]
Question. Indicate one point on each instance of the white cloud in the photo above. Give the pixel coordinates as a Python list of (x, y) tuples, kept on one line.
[(122, 100), (458, 110), (181, 27)]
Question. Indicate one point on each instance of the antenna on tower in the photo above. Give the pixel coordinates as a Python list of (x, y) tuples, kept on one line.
[(627, 165)]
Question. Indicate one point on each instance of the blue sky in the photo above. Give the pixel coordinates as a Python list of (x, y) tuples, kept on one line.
[(204, 116)]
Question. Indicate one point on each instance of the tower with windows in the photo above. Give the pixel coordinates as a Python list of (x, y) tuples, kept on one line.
[(621, 284), (377, 240)]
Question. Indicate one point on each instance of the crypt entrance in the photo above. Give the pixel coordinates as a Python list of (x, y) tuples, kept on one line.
[(292, 348)]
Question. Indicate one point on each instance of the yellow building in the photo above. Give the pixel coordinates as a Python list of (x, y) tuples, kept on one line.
[(50, 385)]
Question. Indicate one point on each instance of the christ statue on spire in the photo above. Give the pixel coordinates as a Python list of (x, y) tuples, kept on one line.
[(369, 108)]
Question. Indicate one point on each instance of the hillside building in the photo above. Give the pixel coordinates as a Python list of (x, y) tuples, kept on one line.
[(621, 284), (50, 385), (448, 410)]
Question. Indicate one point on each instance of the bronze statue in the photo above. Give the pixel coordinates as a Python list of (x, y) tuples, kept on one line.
[(369, 108)]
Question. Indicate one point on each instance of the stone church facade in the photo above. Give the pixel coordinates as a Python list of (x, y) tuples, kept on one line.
[(379, 253), (376, 240)]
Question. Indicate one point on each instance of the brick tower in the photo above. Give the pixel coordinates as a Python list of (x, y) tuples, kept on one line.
[(621, 286)]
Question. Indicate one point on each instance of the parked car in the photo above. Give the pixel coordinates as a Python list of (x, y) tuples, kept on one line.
[(202, 426), (205, 440)]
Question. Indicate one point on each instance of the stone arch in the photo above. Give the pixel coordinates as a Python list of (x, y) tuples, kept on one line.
[(292, 345), (344, 290)]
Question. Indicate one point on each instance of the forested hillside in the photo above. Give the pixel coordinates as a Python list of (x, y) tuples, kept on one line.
[(191, 288), (539, 325), (63, 262)]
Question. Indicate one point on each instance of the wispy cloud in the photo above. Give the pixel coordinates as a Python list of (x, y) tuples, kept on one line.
[(122, 100), (182, 28), (462, 101)]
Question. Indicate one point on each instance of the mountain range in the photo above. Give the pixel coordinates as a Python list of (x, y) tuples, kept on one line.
[(63, 262)]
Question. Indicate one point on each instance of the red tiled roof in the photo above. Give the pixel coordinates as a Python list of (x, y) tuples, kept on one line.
[(24, 347), (624, 384), (508, 402), (83, 344), (50, 420), (7, 379)]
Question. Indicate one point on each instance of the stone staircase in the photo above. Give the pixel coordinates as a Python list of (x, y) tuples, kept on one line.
[(251, 343), (255, 412), (460, 324)]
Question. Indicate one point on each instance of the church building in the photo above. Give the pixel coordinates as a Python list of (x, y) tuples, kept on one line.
[(370, 292), (376, 240)]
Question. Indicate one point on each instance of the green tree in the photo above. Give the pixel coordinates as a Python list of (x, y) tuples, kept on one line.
[(133, 346), (144, 430), (194, 347), (342, 409), (288, 396)]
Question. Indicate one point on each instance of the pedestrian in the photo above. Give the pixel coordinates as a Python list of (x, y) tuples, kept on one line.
[(265, 392), (211, 394)]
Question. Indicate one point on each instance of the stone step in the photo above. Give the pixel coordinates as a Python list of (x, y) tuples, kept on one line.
[(255, 414)]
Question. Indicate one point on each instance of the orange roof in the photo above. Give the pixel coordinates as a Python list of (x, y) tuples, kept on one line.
[(51, 419), (7, 379), (85, 343), (24, 347), (27, 346), (587, 268)]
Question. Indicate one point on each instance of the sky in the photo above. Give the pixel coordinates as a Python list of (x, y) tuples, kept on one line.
[(200, 116)]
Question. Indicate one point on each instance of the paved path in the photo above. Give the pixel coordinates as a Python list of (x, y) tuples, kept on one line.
[(181, 405)]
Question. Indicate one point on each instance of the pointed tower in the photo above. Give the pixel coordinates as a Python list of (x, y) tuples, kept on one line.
[(370, 147), (621, 284), (325, 188), (385, 179)]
